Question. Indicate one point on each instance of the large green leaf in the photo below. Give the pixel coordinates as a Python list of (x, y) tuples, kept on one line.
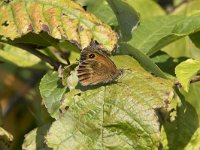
[(62, 19), (18, 56), (120, 115), (149, 34), (186, 70), (155, 33)]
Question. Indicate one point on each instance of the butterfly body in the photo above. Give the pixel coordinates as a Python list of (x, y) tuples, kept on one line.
[(95, 67)]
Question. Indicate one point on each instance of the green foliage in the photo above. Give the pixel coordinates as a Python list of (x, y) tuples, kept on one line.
[(99, 116), (139, 110)]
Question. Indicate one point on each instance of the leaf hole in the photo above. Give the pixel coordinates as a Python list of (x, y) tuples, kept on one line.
[(5, 23), (81, 28), (45, 28), (79, 94)]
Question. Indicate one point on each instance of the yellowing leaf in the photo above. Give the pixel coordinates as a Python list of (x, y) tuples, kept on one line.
[(62, 19)]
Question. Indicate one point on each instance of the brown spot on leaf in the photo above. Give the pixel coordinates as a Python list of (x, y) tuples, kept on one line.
[(30, 28), (96, 23), (63, 37), (81, 28), (45, 28)]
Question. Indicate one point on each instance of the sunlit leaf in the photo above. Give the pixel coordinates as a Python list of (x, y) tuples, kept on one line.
[(120, 115), (186, 70)]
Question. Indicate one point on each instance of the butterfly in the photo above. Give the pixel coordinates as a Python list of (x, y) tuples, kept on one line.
[(95, 67)]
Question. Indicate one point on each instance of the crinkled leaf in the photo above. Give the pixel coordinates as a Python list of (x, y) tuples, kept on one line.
[(52, 90), (34, 140), (18, 56), (186, 70), (62, 19), (5, 136), (120, 115)]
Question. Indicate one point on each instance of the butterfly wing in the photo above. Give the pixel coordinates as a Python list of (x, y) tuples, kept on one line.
[(95, 67)]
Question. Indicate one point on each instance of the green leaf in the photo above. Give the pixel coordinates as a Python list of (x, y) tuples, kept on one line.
[(193, 96), (195, 39), (116, 116), (183, 47), (102, 10), (61, 19), (189, 25), (35, 139), (126, 15), (52, 90), (155, 33), (149, 34), (18, 56), (186, 70)]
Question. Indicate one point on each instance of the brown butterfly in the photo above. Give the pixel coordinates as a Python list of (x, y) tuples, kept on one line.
[(96, 67)]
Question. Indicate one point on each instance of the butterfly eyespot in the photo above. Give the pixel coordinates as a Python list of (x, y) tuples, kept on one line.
[(91, 56)]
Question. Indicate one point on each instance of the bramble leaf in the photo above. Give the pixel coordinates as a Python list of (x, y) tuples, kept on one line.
[(62, 19)]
